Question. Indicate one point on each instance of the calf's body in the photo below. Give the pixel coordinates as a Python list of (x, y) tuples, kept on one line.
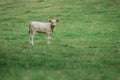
[(42, 27)]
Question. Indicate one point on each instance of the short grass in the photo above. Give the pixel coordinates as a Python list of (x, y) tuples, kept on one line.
[(85, 43)]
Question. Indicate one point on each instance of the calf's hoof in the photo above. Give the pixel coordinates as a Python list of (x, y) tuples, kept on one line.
[(31, 43), (48, 43)]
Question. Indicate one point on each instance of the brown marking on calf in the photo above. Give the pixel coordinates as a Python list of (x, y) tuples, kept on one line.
[(52, 27), (40, 32)]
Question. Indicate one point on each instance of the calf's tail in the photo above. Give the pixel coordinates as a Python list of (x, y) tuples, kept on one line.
[(29, 29)]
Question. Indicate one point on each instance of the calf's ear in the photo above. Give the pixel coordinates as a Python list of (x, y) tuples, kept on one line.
[(57, 20), (49, 20)]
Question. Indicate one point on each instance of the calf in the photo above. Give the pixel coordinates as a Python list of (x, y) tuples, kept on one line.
[(42, 27)]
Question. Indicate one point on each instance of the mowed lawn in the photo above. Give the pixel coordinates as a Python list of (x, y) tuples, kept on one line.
[(85, 43)]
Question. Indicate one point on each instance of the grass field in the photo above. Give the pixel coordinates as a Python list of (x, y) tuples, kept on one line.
[(85, 43)]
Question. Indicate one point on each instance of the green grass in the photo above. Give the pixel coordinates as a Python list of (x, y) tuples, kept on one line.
[(85, 43)]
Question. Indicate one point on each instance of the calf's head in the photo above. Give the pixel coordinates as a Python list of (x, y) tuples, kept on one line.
[(53, 22)]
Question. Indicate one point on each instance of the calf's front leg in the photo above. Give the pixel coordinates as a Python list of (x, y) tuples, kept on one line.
[(48, 39)]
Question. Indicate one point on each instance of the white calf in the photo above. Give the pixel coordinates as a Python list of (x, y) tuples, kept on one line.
[(41, 27)]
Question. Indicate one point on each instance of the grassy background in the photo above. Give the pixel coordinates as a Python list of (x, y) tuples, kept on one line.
[(85, 44)]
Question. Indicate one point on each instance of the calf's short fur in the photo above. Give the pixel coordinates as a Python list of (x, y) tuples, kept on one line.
[(42, 27)]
